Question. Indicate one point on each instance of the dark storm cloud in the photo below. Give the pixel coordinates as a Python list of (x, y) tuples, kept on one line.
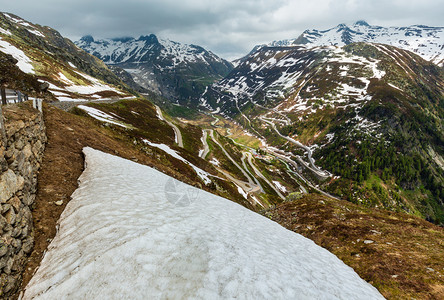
[(227, 27)]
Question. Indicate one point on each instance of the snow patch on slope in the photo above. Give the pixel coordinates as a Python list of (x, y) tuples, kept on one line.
[(121, 237), (205, 176), (18, 21), (36, 32), (88, 91), (5, 31), (24, 63), (100, 115)]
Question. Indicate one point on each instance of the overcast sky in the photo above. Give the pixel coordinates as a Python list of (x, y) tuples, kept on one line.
[(229, 28)]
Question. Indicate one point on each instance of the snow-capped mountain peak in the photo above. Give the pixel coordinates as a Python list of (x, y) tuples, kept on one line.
[(144, 49), (178, 71), (426, 41)]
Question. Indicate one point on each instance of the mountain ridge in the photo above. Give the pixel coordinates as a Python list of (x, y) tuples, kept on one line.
[(426, 41), (175, 70)]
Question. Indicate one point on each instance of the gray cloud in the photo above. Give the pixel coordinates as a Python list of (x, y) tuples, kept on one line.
[(229, 28)]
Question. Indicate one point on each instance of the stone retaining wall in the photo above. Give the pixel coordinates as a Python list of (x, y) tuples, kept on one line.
[(20, 160)]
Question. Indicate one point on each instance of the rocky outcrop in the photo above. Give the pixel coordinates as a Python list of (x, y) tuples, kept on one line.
[(20, 157)]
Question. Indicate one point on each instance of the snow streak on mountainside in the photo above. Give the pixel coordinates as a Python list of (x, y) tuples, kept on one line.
[(178, 71), (133, 232), (426, 41)]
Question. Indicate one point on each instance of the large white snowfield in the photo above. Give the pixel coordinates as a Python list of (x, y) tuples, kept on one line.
[(131, 232)]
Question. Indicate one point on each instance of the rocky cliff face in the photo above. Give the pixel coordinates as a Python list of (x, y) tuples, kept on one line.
[(20, 159)]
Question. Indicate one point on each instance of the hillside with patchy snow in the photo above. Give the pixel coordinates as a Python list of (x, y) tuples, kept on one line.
[(178, 71), (43, 53), (138, 233), (359, 109), (426, 41)]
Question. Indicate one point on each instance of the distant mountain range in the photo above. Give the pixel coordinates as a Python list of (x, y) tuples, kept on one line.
[(179, 72), (426, 41)]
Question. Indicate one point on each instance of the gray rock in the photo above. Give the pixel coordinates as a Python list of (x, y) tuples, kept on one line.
[(3, 164), (27, 151), (6, 207), (25, 232), (8, 185), (3, 249), (27, 244), (17, 244), (20, 183), (28, 199), (19, 262), (11, 283), (19, 144), (8, 268), (27, 214), (37, 148), (16, 231), (14, 127), (16, 203), (3, 223), (19, 162), (4, 259)]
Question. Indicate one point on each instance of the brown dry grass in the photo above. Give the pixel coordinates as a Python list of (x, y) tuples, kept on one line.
[(405, 259)]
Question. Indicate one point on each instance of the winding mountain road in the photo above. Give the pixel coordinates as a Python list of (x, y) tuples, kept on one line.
[(258, 173), (253, 185), (246, 186), (312, 167), (291, 162), (204, 152), (177, 132), (250, 181), (244, 155)]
